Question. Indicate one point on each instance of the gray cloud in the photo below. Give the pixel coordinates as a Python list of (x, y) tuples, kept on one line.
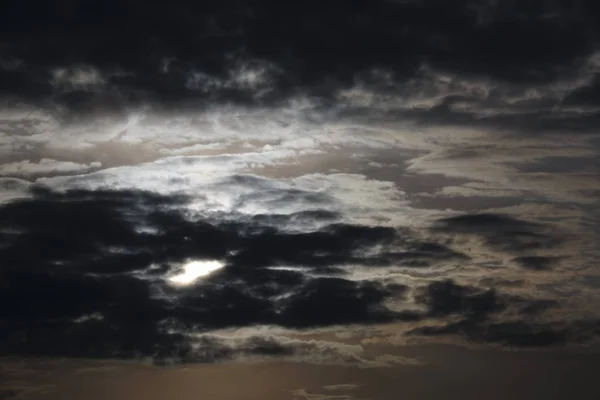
[(45, 166)]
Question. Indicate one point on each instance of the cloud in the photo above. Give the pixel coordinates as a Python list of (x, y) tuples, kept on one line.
[(475, 309), (254, 77), (501, 232), (537, 307), (534, 262), (224, 185), (517, 334), (238, 67), (300, 170), (445, 297), (342, 386), (45, 166), (302, 394), (82, 287), (79, 78), (13, 188), (103, 292), (211, 348)]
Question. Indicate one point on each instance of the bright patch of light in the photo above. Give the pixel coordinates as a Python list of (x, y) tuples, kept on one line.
[(194, 270)]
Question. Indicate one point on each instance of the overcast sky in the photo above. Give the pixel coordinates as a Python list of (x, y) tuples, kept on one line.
[(323, 184)]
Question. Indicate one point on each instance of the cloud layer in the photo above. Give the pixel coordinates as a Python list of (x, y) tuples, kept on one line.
[(424, 166), (97, 284)]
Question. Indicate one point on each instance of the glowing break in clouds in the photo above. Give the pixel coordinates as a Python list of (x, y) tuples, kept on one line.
[(194, 270)]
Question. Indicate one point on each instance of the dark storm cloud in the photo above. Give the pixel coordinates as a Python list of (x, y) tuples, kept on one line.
[(303, 302), (518, 334), (521, 333), (537, 263), (502, 232), (83, 274), (444, 298), (129, 52), (535, 307), (476, 306), (131, 225), (420, 254), (68, 288), (334, 245)]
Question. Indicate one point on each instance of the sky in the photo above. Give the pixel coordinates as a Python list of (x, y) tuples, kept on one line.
[(317, 195)]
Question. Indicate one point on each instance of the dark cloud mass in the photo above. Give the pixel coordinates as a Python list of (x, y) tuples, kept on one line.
[(475, 307), (446, 297), (74, 291), (534, 262), (189, 50), (69, 285), (505, 233)]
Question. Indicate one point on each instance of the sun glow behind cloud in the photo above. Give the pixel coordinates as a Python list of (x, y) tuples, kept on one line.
[(194, 270)]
